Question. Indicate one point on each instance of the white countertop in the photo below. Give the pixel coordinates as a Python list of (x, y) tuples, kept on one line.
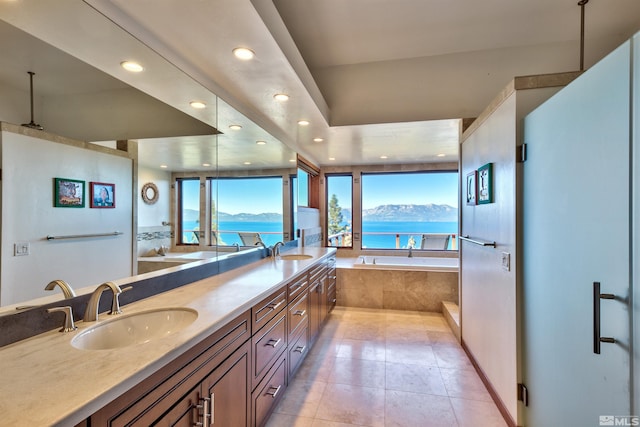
[(46, 381)]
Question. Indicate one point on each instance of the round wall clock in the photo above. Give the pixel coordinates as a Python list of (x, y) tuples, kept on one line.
[(149, 193)]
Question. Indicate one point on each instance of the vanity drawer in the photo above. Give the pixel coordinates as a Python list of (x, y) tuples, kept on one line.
[(298, 312), (267, 309), (316, 272), (298, 287), (269, 391), (268, 344), (298, 350)]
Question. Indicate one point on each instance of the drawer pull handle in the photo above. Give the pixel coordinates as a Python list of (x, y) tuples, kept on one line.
[(300, 313), (300, 349), (273, 343), (273, 307), (275, 392), (333, 301)]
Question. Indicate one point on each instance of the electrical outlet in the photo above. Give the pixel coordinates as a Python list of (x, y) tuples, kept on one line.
[(506, 261), (21, 249)]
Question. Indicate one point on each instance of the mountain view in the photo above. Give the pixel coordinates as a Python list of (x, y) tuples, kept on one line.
[(399, 213), (193, 215), (409, 213)]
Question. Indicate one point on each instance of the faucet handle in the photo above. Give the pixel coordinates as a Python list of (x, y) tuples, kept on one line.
[(115, 302), (69, 326)]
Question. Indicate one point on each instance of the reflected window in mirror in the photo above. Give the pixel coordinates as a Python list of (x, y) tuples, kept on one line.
[(293, 188), (188, 193), (249, 211), (303, 188), (339, 203)]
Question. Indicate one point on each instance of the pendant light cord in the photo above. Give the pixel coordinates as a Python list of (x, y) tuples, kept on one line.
[(582, 4)]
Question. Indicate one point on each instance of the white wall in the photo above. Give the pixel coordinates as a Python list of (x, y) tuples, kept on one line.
[(488, 293), (29, 166), (154, 215)]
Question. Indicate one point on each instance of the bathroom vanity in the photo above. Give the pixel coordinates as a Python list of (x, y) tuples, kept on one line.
[(228, 367)]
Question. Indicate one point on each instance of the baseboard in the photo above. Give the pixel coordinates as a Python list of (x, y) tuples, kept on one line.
[(492, 392)]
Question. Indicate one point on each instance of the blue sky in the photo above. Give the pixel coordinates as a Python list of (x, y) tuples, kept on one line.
[(265, 195), (250, 195), (399, 189)]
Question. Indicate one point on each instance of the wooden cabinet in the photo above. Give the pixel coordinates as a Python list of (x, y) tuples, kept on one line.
[(268, 343), (172, 395), (331, 283), (236, 376), (221, 397)]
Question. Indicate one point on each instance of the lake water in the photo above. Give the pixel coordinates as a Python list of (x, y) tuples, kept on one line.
[(271, 232)]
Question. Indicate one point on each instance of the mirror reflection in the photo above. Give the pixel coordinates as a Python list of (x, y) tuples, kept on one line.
[(238, 178)]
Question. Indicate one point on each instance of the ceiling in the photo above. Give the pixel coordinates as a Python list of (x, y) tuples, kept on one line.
[(374, 78)]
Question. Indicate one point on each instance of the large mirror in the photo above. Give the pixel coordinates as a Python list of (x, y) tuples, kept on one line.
[(102, 103)]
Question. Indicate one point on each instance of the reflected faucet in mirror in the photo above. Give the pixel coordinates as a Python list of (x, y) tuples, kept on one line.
[(275, 251), (67, 291)]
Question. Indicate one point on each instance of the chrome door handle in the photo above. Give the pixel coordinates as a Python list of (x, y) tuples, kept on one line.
[(597, 339)]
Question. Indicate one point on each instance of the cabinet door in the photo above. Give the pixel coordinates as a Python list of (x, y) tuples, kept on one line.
[(314, 307), (228, 389), (185, 413)]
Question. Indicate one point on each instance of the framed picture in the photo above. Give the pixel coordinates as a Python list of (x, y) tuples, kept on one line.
[(472, 188), (485, 184), (68, 193), (103, 195)]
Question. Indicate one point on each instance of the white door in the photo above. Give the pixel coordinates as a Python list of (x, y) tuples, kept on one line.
[(576, 231)]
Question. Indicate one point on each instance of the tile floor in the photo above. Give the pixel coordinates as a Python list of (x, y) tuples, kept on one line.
[(385, 368)]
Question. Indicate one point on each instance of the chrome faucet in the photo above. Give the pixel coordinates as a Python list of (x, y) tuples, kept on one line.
[(237, 246), (67, 291), (275, 251), (91, 313)]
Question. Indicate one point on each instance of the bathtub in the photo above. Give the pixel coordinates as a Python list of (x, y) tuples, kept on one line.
[(406, 263)]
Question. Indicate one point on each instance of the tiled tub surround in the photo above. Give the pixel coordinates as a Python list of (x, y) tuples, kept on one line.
[(394, 289), (90, 379)]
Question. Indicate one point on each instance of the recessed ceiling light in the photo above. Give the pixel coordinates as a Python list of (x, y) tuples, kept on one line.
[(244, 53), (198, 104), (281, 97), (332, 158), (292, 160), (235, 127), (247, 163), (383, 157), (318, 139), (261, 142), (134, 67), (441, 155), (206, 165), (303, 122), (163, 166)]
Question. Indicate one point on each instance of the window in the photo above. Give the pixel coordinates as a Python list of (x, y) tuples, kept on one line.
[(189, 210), (303, 187), (339, 210), (410, 210), (247, 205)]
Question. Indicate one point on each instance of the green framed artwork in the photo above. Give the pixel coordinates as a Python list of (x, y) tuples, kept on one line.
[(485, 184), (68, 193)]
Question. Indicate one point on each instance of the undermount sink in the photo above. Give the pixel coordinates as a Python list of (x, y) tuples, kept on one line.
[(134, 328), (295, 257)]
